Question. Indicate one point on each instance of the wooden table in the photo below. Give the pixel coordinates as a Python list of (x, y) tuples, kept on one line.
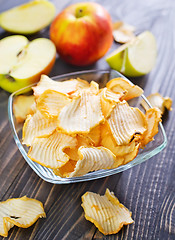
[(148, 189)]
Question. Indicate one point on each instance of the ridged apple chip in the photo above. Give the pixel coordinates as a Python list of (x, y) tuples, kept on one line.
[(108, 101), (49, 151), (106, 212), (50, 102), (81, 115), (156, 100), (123, 32), (86, 140), (93, 159), (22, 107), (72, 153), (125, 122), (109, 142), (68, 86), (37, 125), (65, 170), (94, 135), (153, 117), (22, 212), (92, 87), (131, 155), (120, 85)]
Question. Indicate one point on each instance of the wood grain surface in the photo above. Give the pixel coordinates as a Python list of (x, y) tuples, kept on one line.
[(148, 190)]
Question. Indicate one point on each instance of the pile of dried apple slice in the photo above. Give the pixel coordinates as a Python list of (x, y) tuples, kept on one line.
[(75, 127)]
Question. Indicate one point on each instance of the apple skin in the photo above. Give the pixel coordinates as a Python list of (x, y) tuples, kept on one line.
[(82, 33)]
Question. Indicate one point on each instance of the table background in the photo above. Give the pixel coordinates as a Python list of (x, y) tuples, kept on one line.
[(148, 190)]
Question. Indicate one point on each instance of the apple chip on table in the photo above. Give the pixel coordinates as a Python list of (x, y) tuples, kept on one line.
[(157, 100), (78, 128), (106, 212), (22, 212)]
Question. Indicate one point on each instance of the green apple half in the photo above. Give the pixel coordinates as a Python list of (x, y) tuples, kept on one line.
[(28, 18), (135, 58), (22, 62)]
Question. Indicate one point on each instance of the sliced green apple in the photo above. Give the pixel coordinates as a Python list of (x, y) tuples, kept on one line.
[(28, 18), (135, 58), (22, 62)]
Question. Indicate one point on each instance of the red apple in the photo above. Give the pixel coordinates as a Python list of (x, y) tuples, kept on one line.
[(82, 33)]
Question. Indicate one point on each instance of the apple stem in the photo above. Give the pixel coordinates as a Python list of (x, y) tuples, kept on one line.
[(79, 13)]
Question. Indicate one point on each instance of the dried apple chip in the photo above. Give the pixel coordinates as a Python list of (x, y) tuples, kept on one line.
[(49, 151), (92, 159), (108, 101), (120, 85), (106, 212), (156, 100), (94, 135), (65, 170), (22, 107), (87, 140), (22, 212), (109, 142), (81, 115), (37, 126), (123, 32), (50, 102), (125, 122), (68, 86), (131, 155), (92, 87), (153, 117)]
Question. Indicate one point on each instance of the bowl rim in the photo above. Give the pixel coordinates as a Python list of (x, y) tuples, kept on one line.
[(46, 173)]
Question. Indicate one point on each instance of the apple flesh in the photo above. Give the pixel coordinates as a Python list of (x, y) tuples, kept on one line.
[(135, 58), (22, 62), (82, 33), (28, 18)]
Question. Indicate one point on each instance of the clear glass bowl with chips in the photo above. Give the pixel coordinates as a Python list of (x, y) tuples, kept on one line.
[(101, 77)]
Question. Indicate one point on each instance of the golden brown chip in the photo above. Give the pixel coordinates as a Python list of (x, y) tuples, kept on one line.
[(123, 32), (65, 170), (106, 212), (81, 115), (92, 88), (22, 106), (22, 212), (93, 159), (94, 136), (156, 100), (37, 126), (51, 102), (86, 140), (120, 85), (68, 86), (125, 122), (109, 142), (72, 153), (108, 101), (49, 151), (78, 128), (131, 155), (153, 117)]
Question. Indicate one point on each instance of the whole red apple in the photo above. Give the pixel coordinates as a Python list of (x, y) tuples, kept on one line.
[(82, 33)]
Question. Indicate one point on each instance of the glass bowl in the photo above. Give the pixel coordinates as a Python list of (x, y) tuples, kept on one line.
[(102, 77)]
